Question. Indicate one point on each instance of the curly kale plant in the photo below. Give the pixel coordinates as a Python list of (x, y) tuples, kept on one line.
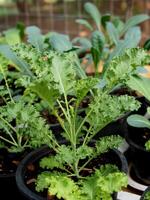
[(21, 127), (65, 92)]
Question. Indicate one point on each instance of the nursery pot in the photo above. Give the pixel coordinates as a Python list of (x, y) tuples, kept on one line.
[(9, 162), (138, 156), (32, 159)]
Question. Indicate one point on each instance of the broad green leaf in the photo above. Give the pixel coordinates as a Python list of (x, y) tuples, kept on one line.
[(133, 21), (85, 23), (119, 49), (49, 94), (85, 43), (140, 84), (63, 74), (35, 37), (138, 121), (112, 32), (9, 54), (93, 11), (12, 36), (133, 35), (132, 39), (60, 42)]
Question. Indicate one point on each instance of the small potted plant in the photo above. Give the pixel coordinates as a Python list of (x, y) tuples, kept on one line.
[(22, 130), (137, 134), (78, 167)]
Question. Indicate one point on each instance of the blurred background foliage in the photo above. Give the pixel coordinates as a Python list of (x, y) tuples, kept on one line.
[(60, 15)]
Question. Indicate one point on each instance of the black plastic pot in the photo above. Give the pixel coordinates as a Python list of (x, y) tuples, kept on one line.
[(138, 156), (36, 155), (144, 193)]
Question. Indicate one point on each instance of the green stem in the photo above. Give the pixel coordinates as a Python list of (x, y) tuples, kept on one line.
[(83, 166), (8, 124), (78, 130), (87, 135), (14, 142), (8, 141), (61, 122), (6, 84)]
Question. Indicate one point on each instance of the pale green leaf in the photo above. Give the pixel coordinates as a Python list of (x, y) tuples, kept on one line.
[(35, 37), (49, 94), (85, 23), (60, 42), (112, 32), (138, 121), (12, 36), (94, 13), (63, 74), (140, 84), (134, 36), (6, 51), (133, 21)]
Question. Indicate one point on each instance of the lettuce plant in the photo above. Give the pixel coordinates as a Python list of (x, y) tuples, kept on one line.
[(64, 91)]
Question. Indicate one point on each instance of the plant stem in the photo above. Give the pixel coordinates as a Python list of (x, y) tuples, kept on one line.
[(82, 167), (6, 84), (8, 141), (86, 137), (14, 142)]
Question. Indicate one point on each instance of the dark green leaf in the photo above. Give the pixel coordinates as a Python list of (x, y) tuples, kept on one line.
[(147, 45), (104, 19), (98, 41)]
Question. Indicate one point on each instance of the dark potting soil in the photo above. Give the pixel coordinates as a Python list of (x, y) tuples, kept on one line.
[(9, 161)]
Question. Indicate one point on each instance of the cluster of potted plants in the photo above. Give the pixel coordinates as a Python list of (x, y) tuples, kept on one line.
[(56, 137)]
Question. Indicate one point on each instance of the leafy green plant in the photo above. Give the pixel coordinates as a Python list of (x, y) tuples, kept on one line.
[(110, 35), (21, 127), (64, 92), (141, 85)]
